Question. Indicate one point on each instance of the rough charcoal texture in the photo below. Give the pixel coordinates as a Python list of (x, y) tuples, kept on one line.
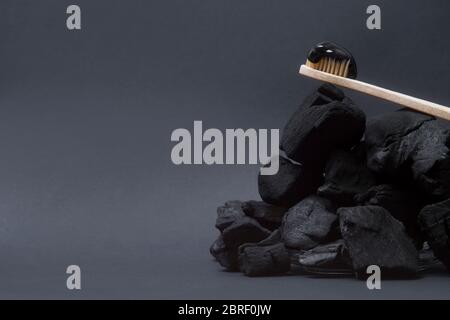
[(346, 175), (330, 255), (323, 123), (402, 203), (269, 216), (431, 167), (267, 257), (244, 230), (290, 184), (325, 94), (374, 237), (229, 213), (435, 222), (309, 223), (410, 146), (227, 258), (387, 139), (236, 229), (273, 238), (255, 260)]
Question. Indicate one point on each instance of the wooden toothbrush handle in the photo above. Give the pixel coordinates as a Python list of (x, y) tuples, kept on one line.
[(424, 106)]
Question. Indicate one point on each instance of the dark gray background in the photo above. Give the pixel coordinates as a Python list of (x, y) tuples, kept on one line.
[(86, 117)]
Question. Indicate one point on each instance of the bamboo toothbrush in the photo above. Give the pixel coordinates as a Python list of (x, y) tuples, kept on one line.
[(334, 64)]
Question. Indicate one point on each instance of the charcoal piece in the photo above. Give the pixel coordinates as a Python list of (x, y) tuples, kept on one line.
[(374, 237), (244, 230), (266, 257), (325, 94), (227, 258), (309, 223), (264, 260), (346, 175), (434, 221), (388, 146), (290, 184), (273, 238), (410, 146), (403, 204), (314, 132), (269, 216), (330, 255), (431, 160), (229, 213), (330, 93)]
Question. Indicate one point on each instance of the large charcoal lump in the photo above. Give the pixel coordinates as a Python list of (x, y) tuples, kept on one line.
[(309, 223), (431, 167), (244, 230), (325, 94), (267, 215), (410, 145), (236, 229), (346, 175), (403, 204), (435, 222), (257, 260), (387, 138), (267, 257), (228, 213), (374, 237), (290, 184), (324, 122), (330, 255), (227, 257)]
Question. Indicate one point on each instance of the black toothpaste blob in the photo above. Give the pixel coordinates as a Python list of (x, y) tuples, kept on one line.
[(333, 51)]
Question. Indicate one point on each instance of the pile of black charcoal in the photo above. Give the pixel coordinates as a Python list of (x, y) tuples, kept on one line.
[(348, 194)]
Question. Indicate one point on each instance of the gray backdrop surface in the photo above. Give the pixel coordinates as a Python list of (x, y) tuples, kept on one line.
[(86, 117)]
